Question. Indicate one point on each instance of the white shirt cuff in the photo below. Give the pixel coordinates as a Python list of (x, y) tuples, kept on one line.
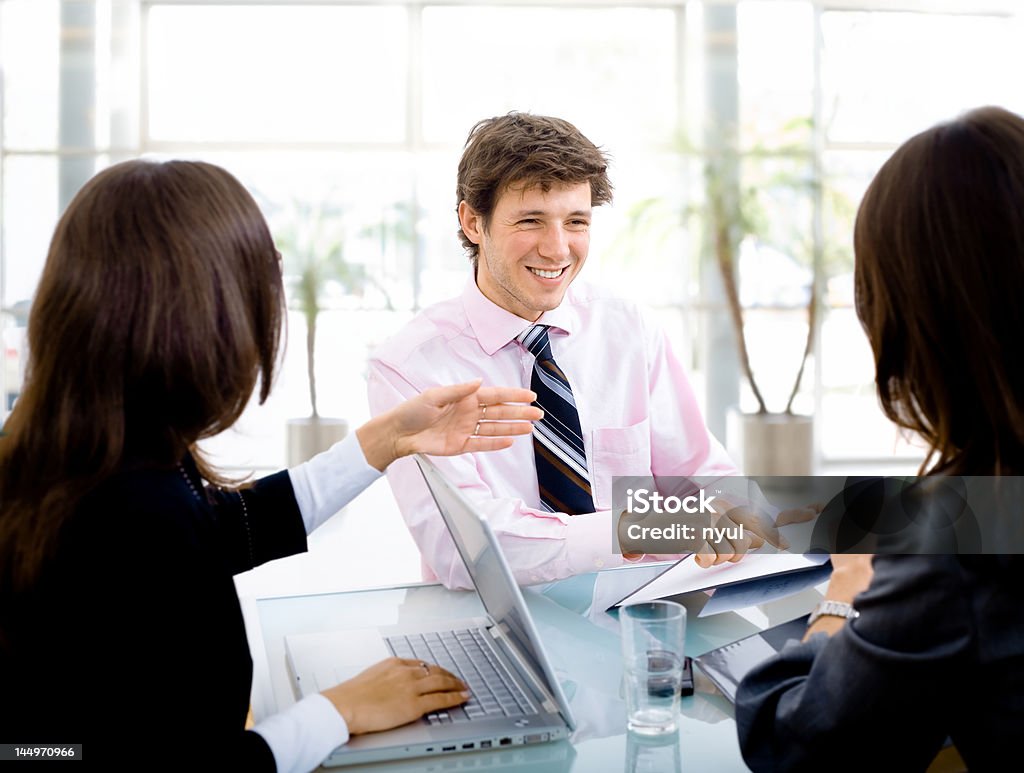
[(301, 736), (329, 481), (589, 541)]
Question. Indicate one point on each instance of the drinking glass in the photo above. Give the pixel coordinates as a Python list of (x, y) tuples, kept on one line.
[(652, 649)]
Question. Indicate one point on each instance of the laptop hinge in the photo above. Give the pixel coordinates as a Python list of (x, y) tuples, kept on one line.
[(500, 633)]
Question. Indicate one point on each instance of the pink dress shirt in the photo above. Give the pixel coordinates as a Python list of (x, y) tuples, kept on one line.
[(636, 406)]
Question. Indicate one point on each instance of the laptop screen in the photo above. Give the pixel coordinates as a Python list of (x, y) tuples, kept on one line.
[(490, 572)]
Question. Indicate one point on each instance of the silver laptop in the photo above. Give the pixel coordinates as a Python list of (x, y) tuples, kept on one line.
[(515, 697)]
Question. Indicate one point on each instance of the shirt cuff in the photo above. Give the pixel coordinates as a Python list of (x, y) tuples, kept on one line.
[(303, 735), (589, 543), (329, 481)]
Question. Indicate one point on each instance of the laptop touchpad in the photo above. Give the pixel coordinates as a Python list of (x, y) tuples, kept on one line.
[(335, 656)]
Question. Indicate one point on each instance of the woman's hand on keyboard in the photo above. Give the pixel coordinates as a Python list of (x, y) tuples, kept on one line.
[(394, 692)]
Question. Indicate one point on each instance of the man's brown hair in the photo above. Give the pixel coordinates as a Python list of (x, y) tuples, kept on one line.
[(526, 151)]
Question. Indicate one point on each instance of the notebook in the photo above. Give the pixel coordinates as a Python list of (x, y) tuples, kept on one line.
[(727, 665), (516, 698)]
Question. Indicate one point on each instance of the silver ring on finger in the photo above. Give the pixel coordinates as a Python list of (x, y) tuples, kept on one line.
[(426, 667), (477, 430), (483, 411)]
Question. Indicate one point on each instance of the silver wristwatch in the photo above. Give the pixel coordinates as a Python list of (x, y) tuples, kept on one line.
[(831, 608)]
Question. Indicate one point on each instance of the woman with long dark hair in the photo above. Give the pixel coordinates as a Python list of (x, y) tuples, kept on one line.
[(909, 650), (158, 311)]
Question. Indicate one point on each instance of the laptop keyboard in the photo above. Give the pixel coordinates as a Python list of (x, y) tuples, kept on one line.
[(469, 654)]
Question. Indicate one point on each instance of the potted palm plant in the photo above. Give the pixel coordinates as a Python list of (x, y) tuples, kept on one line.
[(737, 186), (311, 237)]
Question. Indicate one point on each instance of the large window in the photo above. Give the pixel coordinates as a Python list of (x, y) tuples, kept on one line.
[(352, 116), (885, 77)]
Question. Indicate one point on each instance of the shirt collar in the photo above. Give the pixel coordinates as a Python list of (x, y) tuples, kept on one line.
[(494, 326)]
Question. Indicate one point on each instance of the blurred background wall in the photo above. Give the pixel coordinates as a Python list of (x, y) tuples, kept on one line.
[(346, 121)]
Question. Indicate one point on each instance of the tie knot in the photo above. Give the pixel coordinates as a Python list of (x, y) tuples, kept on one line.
[(535, 340)]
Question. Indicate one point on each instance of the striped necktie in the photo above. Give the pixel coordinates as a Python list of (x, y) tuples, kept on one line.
[(557, 438)]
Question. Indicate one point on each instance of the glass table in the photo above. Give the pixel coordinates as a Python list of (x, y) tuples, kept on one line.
[(582, 642)]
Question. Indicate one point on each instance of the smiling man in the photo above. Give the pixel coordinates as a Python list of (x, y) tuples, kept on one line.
[(616, 398)]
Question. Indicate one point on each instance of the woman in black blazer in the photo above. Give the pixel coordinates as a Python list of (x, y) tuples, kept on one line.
[(913, 649), (158, 310)]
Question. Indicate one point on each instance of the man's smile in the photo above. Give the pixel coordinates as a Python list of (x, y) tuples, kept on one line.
[(548, 273)]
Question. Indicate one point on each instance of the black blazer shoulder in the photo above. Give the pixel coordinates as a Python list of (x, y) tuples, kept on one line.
[(133, 642)]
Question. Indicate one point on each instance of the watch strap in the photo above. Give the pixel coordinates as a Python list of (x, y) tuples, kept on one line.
[(831, 608)]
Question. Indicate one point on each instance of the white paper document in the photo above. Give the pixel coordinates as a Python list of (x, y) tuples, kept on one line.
[(686, 576), (751, 593)]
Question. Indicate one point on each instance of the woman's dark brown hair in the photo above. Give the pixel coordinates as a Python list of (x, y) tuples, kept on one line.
[(939, 243), (159, 308)]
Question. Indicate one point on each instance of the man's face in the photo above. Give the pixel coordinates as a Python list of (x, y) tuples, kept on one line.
[(535, 246)]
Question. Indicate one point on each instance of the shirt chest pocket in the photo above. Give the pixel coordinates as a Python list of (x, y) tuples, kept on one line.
[(618, 451)]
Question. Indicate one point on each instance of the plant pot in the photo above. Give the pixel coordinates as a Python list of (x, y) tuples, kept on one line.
[(771, 443), (310, 436)]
